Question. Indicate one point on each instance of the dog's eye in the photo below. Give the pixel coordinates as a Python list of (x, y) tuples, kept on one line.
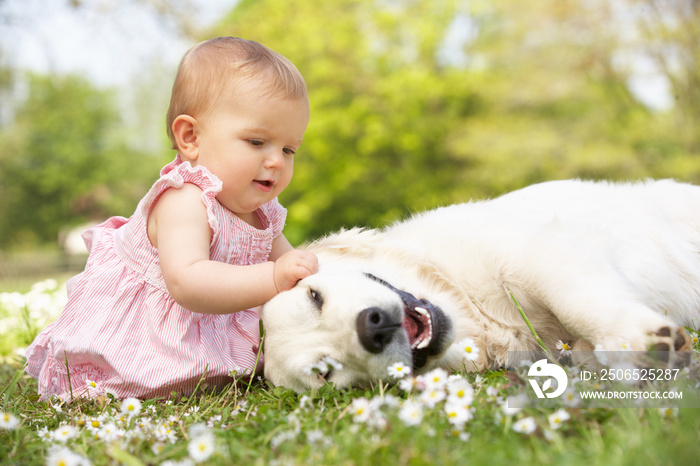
[(317, 298)]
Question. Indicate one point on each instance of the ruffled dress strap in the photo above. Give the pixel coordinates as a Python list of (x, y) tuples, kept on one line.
[(175, 175), (276, 215)]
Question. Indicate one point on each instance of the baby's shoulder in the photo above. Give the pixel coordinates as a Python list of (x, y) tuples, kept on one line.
[(176, 206), (189, 196)]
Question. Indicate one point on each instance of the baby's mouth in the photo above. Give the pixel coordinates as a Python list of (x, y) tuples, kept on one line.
[(265, 184)]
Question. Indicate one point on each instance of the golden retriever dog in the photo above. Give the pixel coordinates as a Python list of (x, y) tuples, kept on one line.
[(592, 264)]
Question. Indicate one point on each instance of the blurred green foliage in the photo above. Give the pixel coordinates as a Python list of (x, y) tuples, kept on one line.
[(415, 104), (63, 162), (404, 119)]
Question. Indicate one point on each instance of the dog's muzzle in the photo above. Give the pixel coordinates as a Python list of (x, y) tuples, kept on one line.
[(425, 325)]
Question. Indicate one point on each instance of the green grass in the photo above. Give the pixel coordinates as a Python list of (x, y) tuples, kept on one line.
[(260, 424), (275, 425)]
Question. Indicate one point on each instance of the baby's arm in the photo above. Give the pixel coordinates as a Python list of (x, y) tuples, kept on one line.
[(179, 229)]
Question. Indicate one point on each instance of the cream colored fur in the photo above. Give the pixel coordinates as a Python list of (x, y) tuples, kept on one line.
[(592, 265)]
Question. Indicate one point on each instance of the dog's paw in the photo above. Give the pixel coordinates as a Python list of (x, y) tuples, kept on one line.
[(667, 338), (656, 334), (666, 344)]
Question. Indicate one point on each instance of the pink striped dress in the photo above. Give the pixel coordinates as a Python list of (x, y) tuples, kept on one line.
[(122, 332)]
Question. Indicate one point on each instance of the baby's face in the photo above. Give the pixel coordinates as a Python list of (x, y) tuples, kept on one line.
[(249, 143)]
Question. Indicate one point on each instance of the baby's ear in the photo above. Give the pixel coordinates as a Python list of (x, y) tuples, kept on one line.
[(185, 129)]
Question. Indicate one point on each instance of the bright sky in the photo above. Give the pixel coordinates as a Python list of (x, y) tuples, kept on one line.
[(49, 36)]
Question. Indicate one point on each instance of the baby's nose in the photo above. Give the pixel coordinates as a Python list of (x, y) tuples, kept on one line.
[(275, 160)]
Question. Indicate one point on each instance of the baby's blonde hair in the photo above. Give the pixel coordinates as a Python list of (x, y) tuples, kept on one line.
[(216, 66)]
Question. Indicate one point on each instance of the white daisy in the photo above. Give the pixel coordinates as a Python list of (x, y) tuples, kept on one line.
[(555, 419), (463, 436), (110, 432), (435, 379), (564, 348), (8, 421), (408, 383), (164, 432), (668, 413), (432, 396), (469, 348), (461, 391), (457, 413), (62, 456), (44, 434), (198, 429), (238, 407), (157, 448), (331, 363), (525, 425), (93, 388), (201, 447), (64, 433), (193, 409), (360, 409), (513, 404), (411, 413), (509, 410), (131, 407), (399, 370), (571, 397)]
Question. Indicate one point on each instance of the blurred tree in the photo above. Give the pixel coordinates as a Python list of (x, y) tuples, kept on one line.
[(60, 164), (384, 106), (426, 102), (667, 35), (560, 98)]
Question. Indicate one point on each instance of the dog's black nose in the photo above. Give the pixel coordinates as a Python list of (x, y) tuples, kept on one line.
[(375, 328)]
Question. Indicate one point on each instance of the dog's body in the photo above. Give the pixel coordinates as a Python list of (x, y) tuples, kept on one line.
[(599, 265)]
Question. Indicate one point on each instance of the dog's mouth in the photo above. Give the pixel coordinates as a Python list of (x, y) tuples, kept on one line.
[(418, 325), (425, 326), (424, 323)]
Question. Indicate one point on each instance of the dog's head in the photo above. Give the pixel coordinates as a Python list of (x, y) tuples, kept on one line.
[(348, 327)]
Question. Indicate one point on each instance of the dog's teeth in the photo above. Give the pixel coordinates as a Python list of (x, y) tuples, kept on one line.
[(421, 311), (423, 344)]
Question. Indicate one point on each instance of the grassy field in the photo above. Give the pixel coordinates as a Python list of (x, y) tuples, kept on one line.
[(389, 423)]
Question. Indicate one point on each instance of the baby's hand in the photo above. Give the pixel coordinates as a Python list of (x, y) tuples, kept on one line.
[(292, 266)]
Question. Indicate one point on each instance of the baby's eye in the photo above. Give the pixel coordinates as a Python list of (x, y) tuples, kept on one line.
[(256, 142), (289, 151)]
